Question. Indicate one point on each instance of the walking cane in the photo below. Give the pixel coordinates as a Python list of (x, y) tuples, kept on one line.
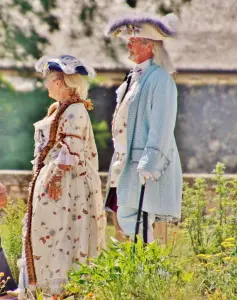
[(145, 218)]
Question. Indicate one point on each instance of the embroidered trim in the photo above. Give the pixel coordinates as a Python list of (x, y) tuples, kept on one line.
[(68, 148), (63, 135), (52, 139)]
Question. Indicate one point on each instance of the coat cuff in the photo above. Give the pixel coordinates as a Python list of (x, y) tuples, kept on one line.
[(153, 161)]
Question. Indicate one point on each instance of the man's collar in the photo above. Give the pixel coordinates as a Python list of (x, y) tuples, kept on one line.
[(142, 66)]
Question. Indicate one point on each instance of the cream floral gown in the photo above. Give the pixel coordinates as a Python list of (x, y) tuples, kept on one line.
[(71, 229)]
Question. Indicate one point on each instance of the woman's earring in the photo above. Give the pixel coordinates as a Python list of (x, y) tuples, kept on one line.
[(58, 93)]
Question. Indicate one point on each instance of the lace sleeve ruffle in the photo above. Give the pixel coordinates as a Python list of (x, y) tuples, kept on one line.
[(68, 154)]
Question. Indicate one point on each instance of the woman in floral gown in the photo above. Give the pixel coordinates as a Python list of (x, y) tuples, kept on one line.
[(66, 221)]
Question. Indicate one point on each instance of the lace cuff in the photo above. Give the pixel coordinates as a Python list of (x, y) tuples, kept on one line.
[(154, 162)]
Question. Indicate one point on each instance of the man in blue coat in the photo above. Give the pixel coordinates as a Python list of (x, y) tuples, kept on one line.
[(143, 128)]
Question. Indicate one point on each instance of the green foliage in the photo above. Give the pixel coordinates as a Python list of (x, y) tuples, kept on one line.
[(166, 7), (10, 232), (20, 36), (132, 3), (218, 273), (101, 132), (97, 81), (207, 231), (128, 271), (48, 4), (200, 261), (22, 21), (18, 112)]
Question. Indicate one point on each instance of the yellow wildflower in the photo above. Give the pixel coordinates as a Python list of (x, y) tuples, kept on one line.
[(234, 259), (212, 209), (1, 274), (204, 256), (227, 258), (229, 240), (227, 245), (217, 295)]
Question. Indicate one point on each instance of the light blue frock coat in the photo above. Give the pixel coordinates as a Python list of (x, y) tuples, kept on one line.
[(151, 146)]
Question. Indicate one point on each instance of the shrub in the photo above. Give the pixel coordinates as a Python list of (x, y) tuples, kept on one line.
[(217, 273), (128, 271), (208, 231), (10, 232)]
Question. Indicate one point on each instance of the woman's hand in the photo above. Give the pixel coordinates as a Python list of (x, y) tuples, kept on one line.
[(54, 191), (54, 185)]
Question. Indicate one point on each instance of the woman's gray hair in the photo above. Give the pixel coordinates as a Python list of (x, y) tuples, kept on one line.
[(162, 58)]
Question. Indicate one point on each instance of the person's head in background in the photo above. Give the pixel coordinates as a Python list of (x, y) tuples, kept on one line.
[(3, 196)]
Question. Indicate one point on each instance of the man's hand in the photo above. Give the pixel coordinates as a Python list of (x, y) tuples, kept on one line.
[(144, 175)]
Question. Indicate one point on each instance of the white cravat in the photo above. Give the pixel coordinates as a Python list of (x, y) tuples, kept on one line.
[(139, 69), (142, 66)]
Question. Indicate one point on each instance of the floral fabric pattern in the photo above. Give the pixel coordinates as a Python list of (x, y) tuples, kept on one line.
[(71, 229)]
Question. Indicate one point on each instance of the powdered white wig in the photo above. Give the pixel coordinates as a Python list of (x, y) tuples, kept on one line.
[(162, 58)]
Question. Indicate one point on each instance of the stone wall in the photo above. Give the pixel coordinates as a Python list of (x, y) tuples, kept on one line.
[(104, 104), (17, 182), (206, 127)]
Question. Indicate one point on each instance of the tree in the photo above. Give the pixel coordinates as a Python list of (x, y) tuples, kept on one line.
[(162, 6), (26, 25), (20, 34), (90, 9)]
